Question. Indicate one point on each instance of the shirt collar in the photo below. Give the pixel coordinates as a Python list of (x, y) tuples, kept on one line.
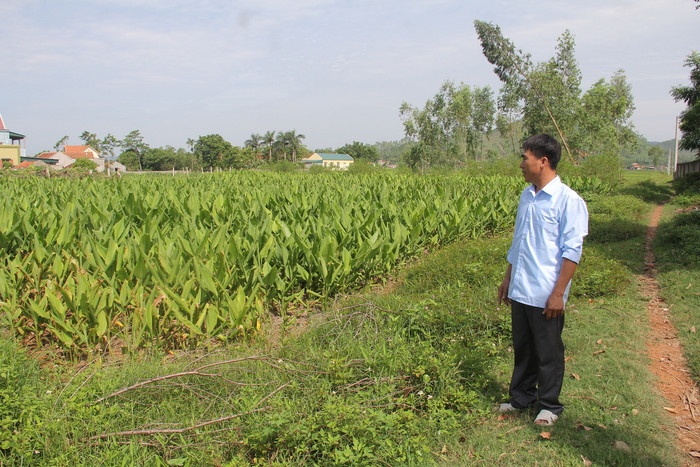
[(553, 186), (550, 188)]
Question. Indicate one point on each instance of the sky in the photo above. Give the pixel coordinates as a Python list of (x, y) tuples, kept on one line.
[(335, 71)]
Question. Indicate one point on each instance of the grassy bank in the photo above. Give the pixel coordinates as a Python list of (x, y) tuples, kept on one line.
[(608, 392), (406, 373), (678, 261)]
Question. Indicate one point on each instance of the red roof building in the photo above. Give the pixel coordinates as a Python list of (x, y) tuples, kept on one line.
[(80, 152)]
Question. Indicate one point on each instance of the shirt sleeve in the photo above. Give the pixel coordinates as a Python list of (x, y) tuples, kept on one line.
[(574, 228), (518, 228)]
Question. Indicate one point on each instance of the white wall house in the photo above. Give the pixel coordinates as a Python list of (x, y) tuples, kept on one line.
[(333, 161)]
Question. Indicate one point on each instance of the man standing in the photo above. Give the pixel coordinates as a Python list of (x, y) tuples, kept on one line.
[(549, 229)]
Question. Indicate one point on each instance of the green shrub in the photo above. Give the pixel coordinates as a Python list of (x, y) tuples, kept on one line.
[(690, 184), (606, 167), (678, 240), (338, 433), (361, 167), (597, 276), (318, 168), (590, 188), (687, 200), (21, 408), (615, 218), (502, 166), (83, 165), (281, 166), (649, 191), (687, 191)]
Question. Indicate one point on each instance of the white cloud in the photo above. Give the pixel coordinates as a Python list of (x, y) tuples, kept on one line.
[(334, 70)]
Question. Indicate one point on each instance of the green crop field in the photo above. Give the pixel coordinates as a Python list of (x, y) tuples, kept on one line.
[(174, 260)]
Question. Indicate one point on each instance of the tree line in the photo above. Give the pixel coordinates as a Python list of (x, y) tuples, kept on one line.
[(287, 146), (211, 151)]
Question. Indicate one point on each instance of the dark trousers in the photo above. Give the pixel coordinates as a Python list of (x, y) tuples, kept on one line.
[(538, 372)]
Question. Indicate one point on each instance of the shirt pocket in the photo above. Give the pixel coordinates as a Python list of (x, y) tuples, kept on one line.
[(549, 227)]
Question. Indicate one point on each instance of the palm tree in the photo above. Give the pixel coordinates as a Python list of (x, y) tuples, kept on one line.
[(282, 143), (190, 143), (294, 142), (254, 141), (267, 140)]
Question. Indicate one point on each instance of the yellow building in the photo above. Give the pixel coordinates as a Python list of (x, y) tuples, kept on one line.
[(333, 161), (10, 149)]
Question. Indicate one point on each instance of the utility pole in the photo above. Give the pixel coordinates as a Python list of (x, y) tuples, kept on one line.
[(668, 165), (675, 162)]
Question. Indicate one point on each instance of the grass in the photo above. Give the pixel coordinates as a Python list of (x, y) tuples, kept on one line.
[(608, 398), (608, 390), (678, 261), (405, 374)]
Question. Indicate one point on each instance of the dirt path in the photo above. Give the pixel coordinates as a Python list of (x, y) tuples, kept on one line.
[(667, 361)]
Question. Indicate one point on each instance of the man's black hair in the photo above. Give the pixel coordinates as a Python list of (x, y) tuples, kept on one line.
[(544, 146)]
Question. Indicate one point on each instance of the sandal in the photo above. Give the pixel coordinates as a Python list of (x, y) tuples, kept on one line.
[(545, 417), (506, 407)]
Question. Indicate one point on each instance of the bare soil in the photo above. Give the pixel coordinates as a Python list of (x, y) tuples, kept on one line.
[(667, 361)]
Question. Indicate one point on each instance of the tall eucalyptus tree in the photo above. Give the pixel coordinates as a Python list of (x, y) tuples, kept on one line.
[(548, 97)]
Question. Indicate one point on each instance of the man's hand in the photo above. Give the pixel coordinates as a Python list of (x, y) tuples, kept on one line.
[(503, 288), (555, 302), (554, 306), (503, 292)]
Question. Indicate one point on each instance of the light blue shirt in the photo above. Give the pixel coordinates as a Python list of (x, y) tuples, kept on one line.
[(550, 226)]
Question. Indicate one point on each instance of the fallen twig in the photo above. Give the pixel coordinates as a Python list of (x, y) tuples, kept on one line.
[(168, 431), (292, 370), (266, 359), (690, 403), (367, 303), (507, 454), (272, 393), (514, 429), (202, 357), (170, 376)]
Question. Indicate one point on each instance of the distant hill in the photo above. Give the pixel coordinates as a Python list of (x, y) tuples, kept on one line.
[(683, 155)]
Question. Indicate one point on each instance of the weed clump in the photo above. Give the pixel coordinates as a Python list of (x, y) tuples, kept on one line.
[(687, 191), (597, 276), (615, 218), (20, 404), (677, 241)]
